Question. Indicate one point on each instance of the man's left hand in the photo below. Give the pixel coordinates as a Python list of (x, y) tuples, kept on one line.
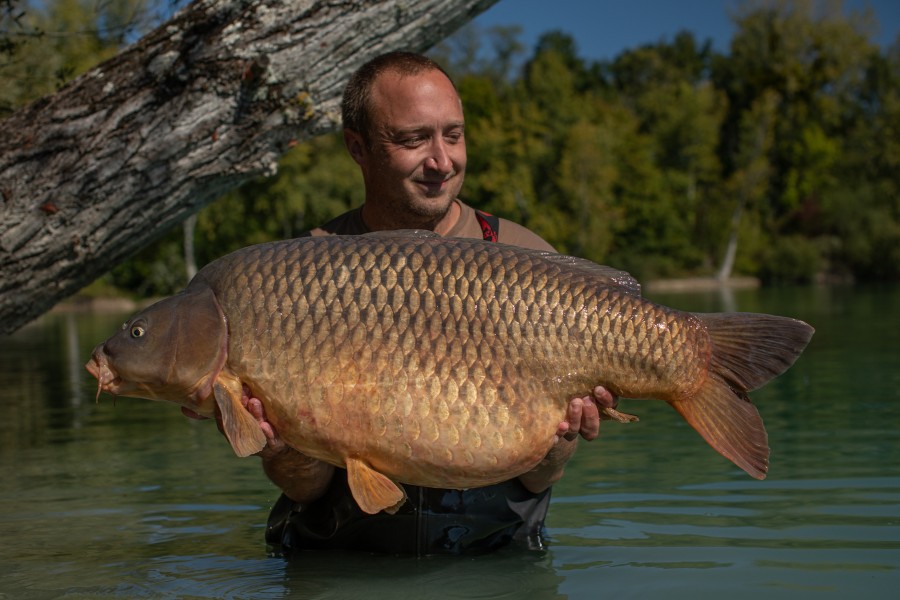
[(583, 415)]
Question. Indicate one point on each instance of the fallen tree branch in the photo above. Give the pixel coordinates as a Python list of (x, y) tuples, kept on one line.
[(91, 174)]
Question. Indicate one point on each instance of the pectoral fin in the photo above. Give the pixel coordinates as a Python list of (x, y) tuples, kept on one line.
[(372, 490), (240, 426)]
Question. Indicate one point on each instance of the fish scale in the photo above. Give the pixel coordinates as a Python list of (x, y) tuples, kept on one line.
[(438, 362)]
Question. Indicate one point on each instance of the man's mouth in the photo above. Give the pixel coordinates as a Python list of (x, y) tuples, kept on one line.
[(434, 187)]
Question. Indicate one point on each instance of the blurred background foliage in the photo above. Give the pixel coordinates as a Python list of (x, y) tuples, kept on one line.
[(778, 159)]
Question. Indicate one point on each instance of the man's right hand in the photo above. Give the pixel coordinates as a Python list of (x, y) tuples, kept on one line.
[(274, 444)]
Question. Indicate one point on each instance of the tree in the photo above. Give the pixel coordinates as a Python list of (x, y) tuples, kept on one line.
[(209, 99), (860, 218), (669, 169), (749, 179), (809, 59)]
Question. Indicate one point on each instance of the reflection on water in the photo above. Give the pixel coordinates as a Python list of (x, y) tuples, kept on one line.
[(131, 500)]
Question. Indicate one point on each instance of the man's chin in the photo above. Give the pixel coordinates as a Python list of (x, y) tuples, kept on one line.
[(432, 207), (438, 197)]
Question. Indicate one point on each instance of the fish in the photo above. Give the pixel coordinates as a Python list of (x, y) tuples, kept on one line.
[(407, 357)]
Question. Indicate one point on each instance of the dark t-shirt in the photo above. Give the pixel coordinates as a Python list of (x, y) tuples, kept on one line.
[(431, 521)]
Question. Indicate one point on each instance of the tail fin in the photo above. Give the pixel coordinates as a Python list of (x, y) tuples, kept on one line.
[(748, 351)]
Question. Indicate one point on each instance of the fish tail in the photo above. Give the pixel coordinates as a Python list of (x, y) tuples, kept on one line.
[(748, 350)]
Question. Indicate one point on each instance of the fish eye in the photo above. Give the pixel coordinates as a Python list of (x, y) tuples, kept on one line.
[(137, 331)]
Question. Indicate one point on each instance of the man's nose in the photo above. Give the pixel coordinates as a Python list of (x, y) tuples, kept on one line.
[(439, 160)]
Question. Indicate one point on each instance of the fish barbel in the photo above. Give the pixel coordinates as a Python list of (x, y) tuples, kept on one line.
[(440, 362)]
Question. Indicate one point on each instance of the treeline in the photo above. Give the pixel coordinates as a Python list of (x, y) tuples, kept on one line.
[(779, 158)]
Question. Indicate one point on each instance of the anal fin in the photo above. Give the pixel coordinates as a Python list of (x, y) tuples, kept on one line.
[(373, 491)]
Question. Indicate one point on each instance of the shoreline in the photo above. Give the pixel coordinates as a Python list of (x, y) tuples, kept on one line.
[(700, 284)]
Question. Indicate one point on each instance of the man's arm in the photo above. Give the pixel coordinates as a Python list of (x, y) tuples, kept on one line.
[(582, 418)]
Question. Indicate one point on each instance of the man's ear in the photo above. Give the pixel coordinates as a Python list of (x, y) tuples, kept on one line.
[(355, 145)]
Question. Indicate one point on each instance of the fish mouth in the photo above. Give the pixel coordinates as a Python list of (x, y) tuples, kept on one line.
[(107, 381)]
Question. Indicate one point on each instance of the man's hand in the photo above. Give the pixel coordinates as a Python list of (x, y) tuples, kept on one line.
[(274, 445), (582, 418), (583, 415)]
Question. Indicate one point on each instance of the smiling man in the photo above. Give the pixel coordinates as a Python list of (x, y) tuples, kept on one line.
[(404, 127), (412, 151)]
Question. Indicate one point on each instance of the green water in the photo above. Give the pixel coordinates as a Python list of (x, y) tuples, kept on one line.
[(132, 500)]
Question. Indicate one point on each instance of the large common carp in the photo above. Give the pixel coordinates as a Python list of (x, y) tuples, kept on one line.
[(405, 356)]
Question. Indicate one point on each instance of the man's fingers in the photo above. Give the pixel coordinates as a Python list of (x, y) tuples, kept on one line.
[(573, 418), (590, 419), (267, 430), (255, 408), (604, 398)]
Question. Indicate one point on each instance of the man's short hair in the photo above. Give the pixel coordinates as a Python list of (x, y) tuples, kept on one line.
[(355, 104)]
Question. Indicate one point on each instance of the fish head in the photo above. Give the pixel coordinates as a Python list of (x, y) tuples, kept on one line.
[(172, 351)]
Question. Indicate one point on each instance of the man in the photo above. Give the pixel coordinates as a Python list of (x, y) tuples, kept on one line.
[(404, 127)]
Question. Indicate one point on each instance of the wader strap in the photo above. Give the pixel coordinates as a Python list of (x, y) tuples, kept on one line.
[(490, 225)]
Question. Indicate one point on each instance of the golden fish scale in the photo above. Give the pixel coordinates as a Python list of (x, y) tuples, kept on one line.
[(457, 354)]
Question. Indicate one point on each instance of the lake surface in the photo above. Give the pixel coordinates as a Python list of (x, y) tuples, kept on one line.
[(128, 499)]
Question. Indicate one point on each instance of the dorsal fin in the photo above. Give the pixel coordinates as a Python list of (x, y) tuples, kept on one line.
[(402, 233), (609, 275)]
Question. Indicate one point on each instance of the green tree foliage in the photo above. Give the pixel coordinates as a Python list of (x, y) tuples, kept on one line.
[(778, 158), (812, 60), (859, 216)]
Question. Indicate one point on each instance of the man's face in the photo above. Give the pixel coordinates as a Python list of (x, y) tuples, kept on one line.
[(416, 160)]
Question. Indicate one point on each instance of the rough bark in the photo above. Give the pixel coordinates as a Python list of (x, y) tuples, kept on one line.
[(213, 97)]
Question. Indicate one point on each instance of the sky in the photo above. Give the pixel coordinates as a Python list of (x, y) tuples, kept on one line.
[(604, 28)]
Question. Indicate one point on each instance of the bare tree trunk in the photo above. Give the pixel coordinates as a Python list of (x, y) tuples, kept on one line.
[(751, 179), (190, 259), (94, 172), (727, 266)]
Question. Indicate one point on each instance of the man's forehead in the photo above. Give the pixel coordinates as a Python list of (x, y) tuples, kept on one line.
[(395, 83), (397, 74), (415, 101)]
